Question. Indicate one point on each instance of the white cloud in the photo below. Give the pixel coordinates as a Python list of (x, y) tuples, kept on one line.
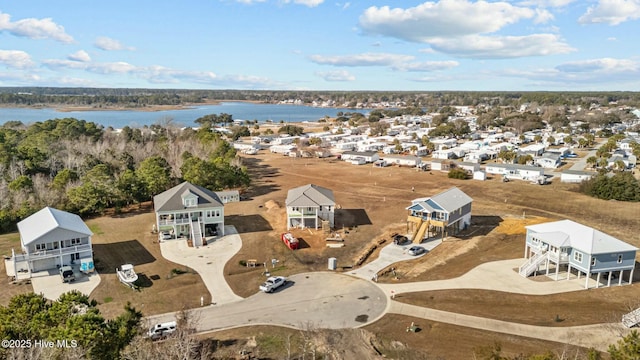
[(612, 12), (109, 44), (79, 55), (446, 18), (546, 3), (249, 2), (543, 16), (427, 66), (309, 3), (55, 64), (337, 75), (119, 67), (612, 38), (34, 28), (366, 59), (500, 47), (15, 59), (603, 65)]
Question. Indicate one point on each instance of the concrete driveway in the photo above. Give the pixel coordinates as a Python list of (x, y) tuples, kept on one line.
[(316, 300), (391, 254), (208, 261), (49, 283)]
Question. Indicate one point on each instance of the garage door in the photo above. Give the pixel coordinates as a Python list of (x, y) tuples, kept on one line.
[(44, 264)]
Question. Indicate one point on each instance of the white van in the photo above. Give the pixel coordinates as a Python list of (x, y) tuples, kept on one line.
[(160, 331)]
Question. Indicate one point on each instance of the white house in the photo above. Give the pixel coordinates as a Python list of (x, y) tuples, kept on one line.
[(443, 154), (191, 211), (368, 156), (440, 165), (575, 176), (515, 171), (228, 196), (51, 238), (309, 205), (402, 160), (548, 160)]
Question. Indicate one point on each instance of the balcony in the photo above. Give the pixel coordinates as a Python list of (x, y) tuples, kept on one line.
[(45, 254), (303, 213), (175, 221)]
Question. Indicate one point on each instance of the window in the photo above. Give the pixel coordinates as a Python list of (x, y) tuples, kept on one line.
[(40, 247), (577, 256), (619, 259), (75, 241), (593, 261), (320, 207), (190, 202)]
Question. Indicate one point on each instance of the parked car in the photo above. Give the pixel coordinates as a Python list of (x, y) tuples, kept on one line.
[(416, 250), (159, 331), (66, 273), (272, 283), (400, 239), (165, 235)]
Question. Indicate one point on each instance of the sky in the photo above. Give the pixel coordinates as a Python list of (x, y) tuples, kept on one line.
[(401, 45)]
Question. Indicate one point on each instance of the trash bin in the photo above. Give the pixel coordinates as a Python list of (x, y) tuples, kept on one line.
[(333, 263)]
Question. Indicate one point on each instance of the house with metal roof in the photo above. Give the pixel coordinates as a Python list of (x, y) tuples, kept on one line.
[(51, 238), (448, 212), (189, 211), (580, 249), (309, 206)]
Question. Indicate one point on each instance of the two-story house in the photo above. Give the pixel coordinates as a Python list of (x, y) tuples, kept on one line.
[(576, 247), (309, 205), (190, 211), (449, 211), (52, 238)]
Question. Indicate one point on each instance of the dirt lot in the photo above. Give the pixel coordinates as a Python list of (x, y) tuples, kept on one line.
[(372, 206)]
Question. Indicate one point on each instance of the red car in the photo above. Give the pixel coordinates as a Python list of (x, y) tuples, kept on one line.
[(290, 240)]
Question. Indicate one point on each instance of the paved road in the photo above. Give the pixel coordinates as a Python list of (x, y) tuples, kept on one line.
[(334, 300), (321, 299)]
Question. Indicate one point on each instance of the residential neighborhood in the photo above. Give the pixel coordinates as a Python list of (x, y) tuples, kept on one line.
[(377, 222)]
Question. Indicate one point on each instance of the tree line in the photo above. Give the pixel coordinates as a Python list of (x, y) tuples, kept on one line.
[(81, 167), (134, 98)]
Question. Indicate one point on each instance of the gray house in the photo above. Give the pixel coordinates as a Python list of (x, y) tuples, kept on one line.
[(309, 205), (578, 248), (449, 211), (51, 238), (189, 210)]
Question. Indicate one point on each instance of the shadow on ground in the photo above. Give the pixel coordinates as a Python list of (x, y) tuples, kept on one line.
[(248, 223), (351, 218), (108, 257), (261, 173)]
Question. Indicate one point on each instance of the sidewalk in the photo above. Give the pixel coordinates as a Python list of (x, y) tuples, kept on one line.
[(208, 261), (598, 336)]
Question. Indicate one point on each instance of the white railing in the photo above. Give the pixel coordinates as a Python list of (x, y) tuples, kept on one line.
[(175, 221), (43, 254), (532, 264)]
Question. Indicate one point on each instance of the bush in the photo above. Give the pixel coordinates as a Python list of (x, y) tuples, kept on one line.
[(457, 173)]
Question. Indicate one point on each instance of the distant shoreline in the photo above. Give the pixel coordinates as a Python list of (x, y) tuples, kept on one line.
[(148, 108)]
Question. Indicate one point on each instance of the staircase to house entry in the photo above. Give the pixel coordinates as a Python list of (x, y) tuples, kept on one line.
[(531, 265), (196, 233), (631, 319)]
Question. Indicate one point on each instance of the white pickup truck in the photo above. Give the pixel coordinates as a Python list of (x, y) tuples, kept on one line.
[(272, 283)]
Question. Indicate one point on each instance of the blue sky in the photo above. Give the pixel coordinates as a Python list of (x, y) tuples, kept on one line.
[(322, 45)]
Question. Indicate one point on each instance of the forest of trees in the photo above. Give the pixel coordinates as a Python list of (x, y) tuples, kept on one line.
[(80, 167), (136, 98)]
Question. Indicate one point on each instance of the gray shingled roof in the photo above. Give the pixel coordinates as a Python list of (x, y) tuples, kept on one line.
[(452, 199), (172, 198), (310, 195)]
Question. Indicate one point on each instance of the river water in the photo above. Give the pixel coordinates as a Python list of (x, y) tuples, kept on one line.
[(121, 118)]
